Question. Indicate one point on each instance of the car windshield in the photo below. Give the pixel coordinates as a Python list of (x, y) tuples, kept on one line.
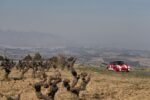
[(117, 62)]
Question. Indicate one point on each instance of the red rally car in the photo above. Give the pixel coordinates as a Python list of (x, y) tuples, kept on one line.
[(118, 66)]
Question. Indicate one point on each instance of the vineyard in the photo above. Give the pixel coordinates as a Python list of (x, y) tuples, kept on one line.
[(104, 85)]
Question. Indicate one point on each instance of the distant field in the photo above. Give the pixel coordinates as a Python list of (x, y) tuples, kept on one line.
[(104, 85), (135, 72)]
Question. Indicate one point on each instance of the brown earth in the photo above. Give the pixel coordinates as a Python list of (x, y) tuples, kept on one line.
[(101, 87)]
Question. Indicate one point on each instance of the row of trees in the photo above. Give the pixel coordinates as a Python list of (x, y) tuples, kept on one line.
[(37, 56)]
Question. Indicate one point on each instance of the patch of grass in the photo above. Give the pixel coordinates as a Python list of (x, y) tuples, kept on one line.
[(97, 81), (139, 73)]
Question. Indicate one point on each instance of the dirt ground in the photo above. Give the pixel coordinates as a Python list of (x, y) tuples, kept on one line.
[(101, 87)]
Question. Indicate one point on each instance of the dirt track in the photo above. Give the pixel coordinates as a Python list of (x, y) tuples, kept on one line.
[(101, 87)]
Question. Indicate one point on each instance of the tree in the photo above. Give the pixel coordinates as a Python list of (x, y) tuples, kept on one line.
[(1, 58), (37, 56), (28, 58)]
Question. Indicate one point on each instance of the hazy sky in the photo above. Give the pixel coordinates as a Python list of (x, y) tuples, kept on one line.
[(110, 23)]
